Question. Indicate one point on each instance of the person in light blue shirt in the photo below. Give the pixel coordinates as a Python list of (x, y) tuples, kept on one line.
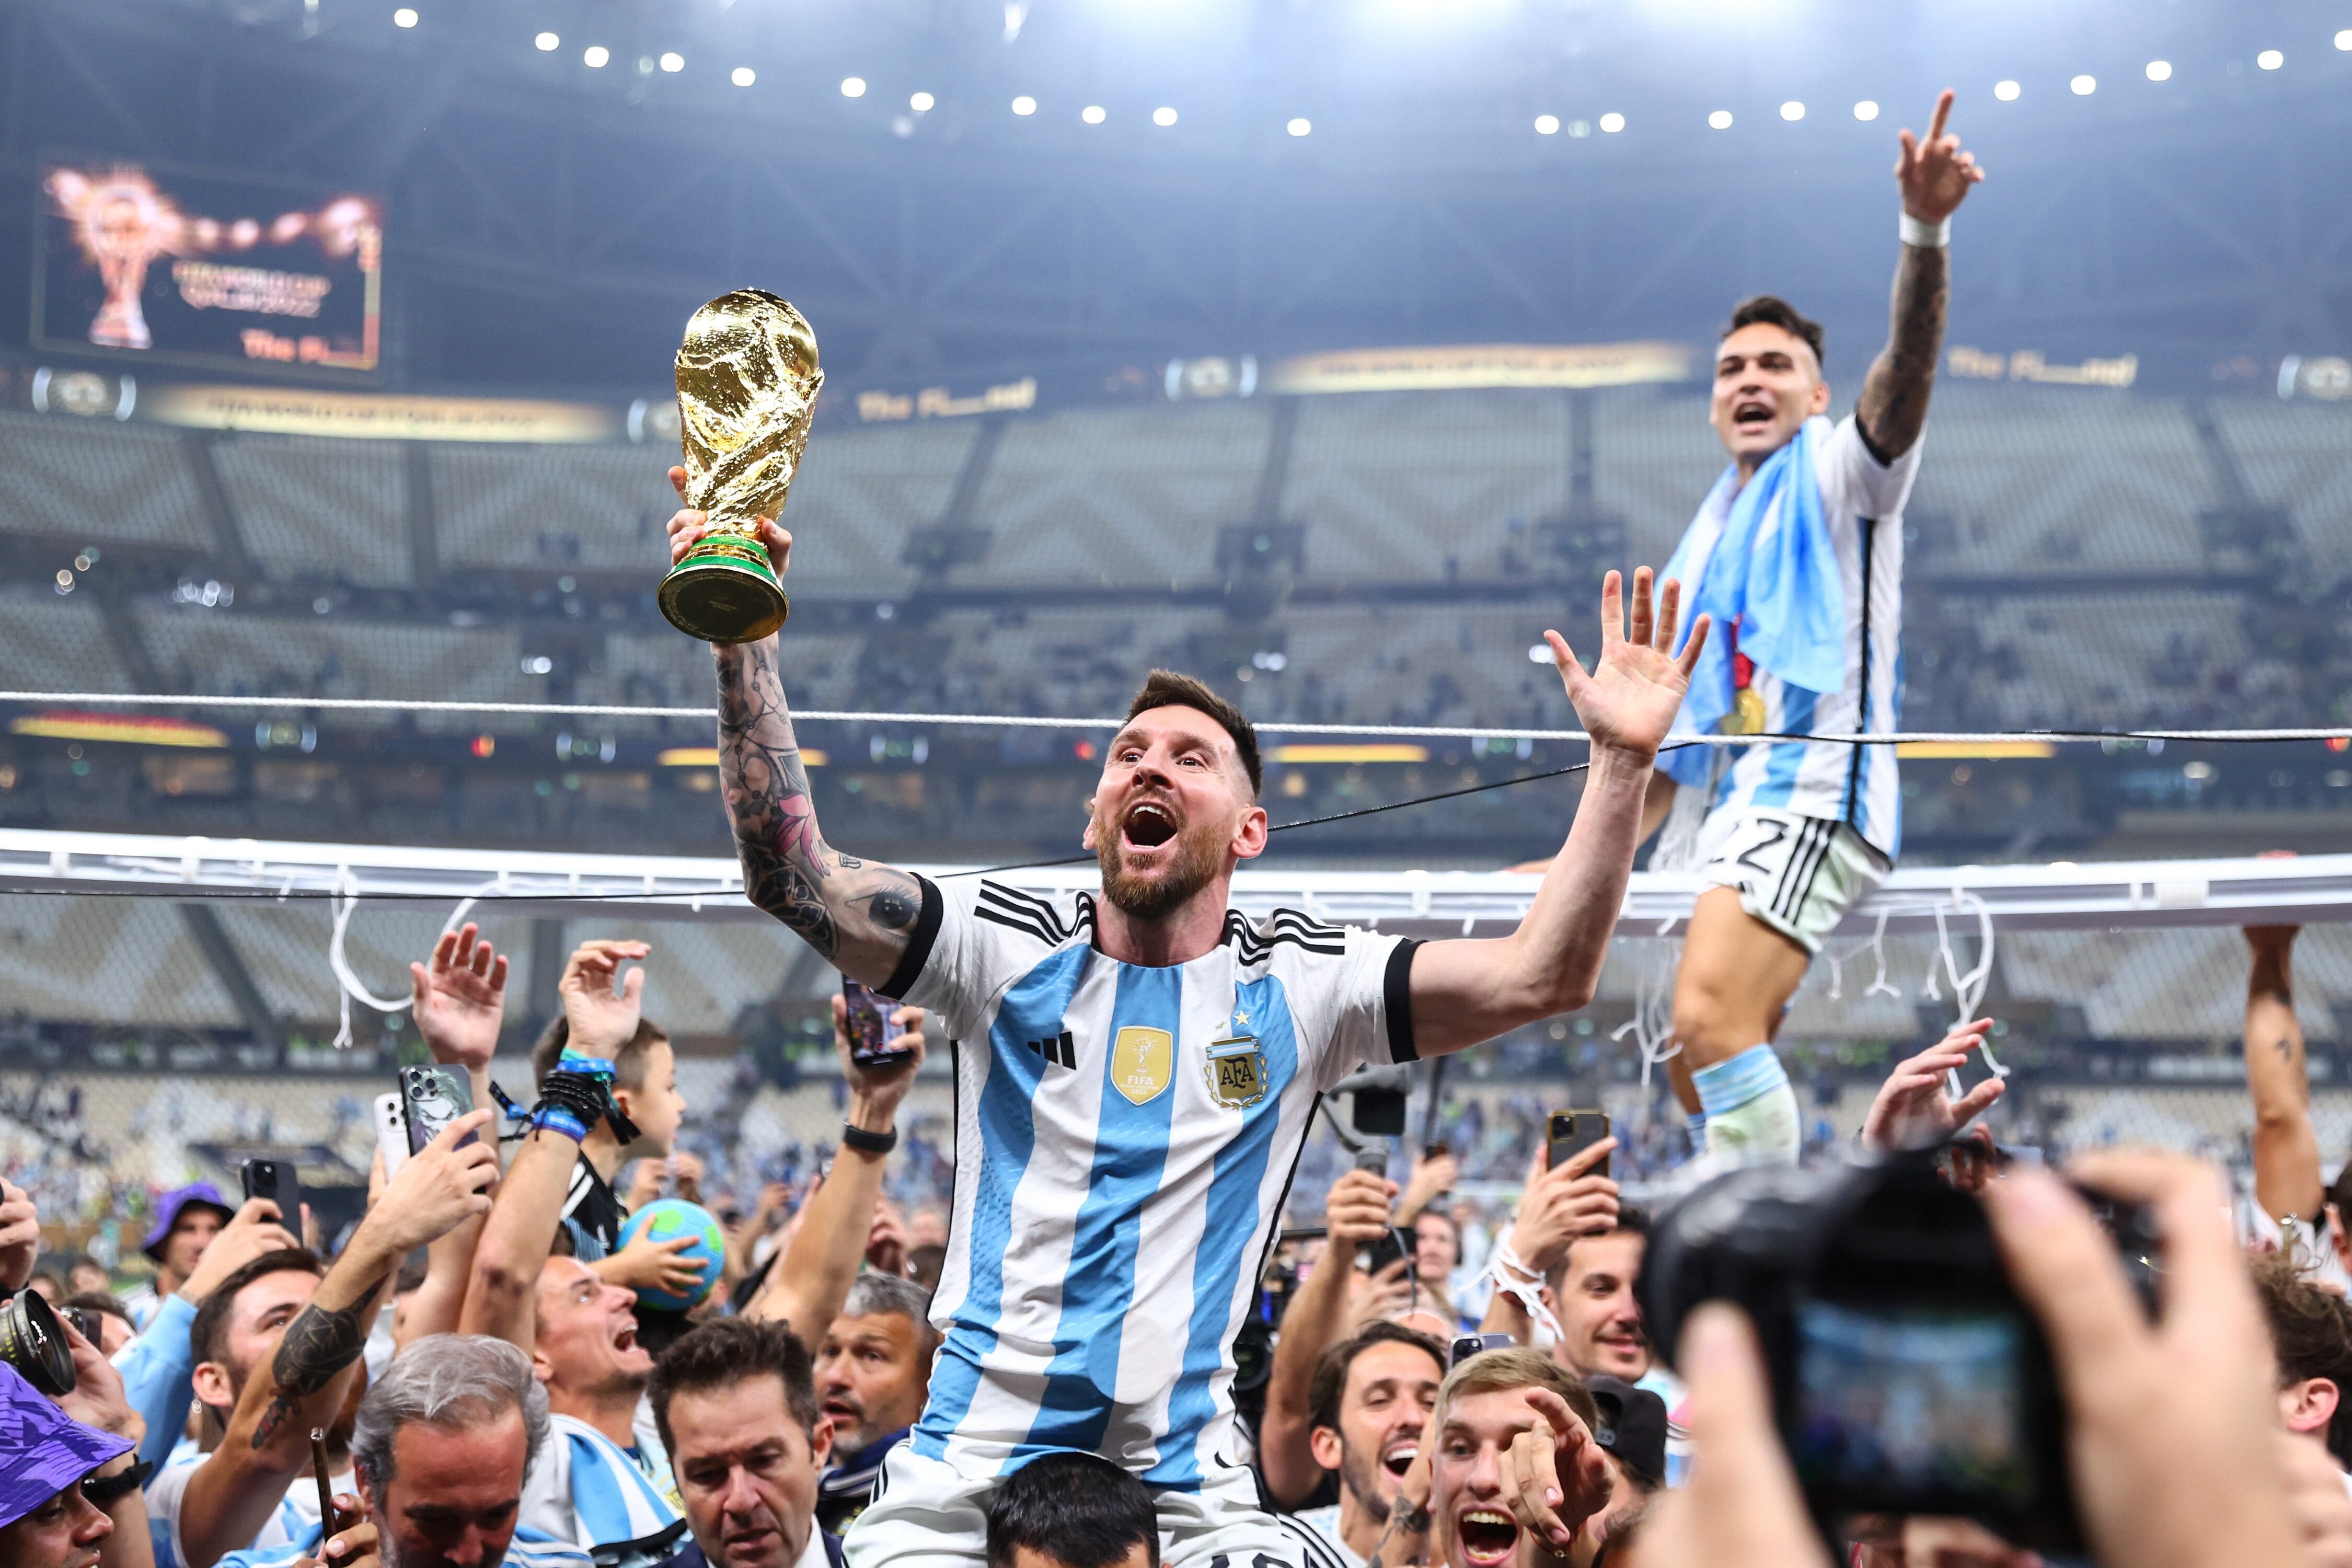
[(440, 1449), (1135, 1070), (1796, 558)]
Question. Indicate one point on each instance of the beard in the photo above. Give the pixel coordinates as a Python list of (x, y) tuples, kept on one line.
[(1195, 867), (1360, 1475)]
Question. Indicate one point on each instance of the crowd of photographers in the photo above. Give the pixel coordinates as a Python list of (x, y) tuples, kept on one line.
[(496, 1364)]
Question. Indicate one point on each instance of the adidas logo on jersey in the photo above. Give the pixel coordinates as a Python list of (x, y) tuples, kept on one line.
[(1060, 1051)]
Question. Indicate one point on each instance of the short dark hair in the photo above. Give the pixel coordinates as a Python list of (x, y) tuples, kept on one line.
[(726, 1351), (1329, 1384), (1167, 688), (1632, 1219), (1773, 310), (1078, 1509), (2311, 1334), (211, 1322), (628, 1062)]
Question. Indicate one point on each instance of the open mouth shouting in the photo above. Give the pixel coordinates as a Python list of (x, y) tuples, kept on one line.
[(1398, 1457), (624, 1339), (1487, 1536), (1752, 415), (1150, 823)]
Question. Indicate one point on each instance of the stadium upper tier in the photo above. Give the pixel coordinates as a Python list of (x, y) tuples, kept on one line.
[(1389, 489)]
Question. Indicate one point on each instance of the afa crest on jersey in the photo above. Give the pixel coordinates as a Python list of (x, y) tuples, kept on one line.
[(1236, 1072)]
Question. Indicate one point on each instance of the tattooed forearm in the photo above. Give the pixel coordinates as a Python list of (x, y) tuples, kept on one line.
[(318, 1347), (836, 903), (1404, 1540), (1893, 408)]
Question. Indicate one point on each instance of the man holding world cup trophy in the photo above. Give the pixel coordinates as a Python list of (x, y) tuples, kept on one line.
[(1139, 1067)]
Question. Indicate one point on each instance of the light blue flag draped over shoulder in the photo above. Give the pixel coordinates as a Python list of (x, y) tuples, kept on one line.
[(1773, 575)]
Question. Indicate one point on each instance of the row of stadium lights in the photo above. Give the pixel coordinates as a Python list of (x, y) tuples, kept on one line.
[(596, 57)]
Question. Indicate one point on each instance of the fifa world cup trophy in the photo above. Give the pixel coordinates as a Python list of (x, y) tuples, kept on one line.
[(747, 383)]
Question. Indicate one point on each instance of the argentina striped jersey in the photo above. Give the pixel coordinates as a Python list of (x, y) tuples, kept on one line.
[(294, 1518), (526, 1549), (619, 1507), (1862, 503), (1125, 1136)]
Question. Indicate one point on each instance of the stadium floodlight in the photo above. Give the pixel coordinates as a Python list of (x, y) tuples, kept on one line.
[(2270, 59), (1547, 124), (595, 57), (2083, 85), (1025, 105), (1093, 114), (404, 17), (2344, 39), (923, 103), (853, 87), (2006, 92), (2159, 71), (673, 62), (1792, 111), (1719, 121), (1300, 126), (1866, 109), (1164, 116), (1612, 122), (742, 76), (548, 43)]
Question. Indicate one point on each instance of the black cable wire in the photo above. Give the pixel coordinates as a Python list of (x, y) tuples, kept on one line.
[(263, 895)]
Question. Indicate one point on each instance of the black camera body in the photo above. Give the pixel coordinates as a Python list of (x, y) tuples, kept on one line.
[(1907, 1377)]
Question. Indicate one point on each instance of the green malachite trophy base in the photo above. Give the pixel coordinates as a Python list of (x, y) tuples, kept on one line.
[(723, 598)]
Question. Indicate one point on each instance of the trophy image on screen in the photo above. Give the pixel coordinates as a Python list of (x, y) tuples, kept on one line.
[(747, 383)]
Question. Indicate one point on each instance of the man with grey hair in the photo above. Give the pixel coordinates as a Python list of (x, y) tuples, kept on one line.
[(873, 1369), (440, 1448)]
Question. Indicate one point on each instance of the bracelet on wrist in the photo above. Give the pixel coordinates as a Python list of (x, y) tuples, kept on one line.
[(864, 1142), (1925, 236), (106, 1490)]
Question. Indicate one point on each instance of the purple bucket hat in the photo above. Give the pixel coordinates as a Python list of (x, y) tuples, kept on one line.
[(48, 1449), (203, 1195)]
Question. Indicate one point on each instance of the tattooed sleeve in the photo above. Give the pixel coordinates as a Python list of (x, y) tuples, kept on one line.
[(1893, 408), (855, 913)]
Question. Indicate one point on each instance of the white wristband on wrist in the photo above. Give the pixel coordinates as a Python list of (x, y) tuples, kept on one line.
[(1927, 236)]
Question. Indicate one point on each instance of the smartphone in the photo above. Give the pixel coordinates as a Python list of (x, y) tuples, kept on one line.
[(873, 1025), (430, 1099), (1467, 1345), (275, 1180), (1571, 1132), (1397, 1246), (390, 1124), (1435, 1151)]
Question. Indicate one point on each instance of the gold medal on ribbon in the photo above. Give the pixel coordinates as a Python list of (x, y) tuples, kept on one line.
[(1746, 715)]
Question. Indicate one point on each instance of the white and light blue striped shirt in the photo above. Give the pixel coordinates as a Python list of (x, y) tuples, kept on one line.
[(1862, 503), (1124, 1140), (619, 1507), (293, 1521)]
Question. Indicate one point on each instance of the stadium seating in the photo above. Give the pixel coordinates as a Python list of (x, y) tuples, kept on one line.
[(319, 509)]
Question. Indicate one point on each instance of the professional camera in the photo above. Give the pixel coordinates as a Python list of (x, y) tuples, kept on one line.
[(1906, 1375), (31, 1342)]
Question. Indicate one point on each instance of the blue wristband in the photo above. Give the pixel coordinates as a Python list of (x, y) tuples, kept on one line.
[(556, 1119)]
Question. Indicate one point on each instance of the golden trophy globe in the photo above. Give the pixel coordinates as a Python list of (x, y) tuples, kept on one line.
[(747, 383)]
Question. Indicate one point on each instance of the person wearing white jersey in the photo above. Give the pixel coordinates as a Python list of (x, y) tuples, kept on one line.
[(1136, 1071), (1797, 556)]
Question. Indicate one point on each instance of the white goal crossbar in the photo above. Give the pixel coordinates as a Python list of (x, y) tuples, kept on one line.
[(2060, 896)]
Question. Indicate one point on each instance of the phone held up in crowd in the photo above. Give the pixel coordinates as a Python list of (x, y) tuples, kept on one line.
[(873, 1028)]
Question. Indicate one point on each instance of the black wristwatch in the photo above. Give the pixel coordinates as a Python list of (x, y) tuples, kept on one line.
[(110, 1489), (867, 1143)]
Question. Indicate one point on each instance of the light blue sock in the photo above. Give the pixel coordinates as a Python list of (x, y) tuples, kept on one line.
[(1751, 1111)]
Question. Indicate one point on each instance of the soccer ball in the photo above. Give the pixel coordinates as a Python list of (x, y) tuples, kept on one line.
[(667, 1219)]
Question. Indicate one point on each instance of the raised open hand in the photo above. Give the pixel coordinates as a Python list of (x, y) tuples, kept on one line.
[(1629, 700), (602, 1019), (460, 998), (1935, 173), (1912, 1110)]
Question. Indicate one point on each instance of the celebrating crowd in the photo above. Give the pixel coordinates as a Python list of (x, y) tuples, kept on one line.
[(1932, 1353)]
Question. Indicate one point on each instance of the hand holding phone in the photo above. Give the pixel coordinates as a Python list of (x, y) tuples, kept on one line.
[(430, 1099), (873, 1025), (1568, 1134), (275, 1180)]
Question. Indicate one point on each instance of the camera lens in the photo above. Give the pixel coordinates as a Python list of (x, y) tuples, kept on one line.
[(32, 1342)]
